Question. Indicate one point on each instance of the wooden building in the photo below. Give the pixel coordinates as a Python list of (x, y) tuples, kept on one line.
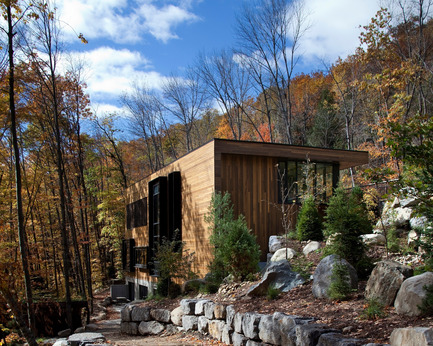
[(255, 174)]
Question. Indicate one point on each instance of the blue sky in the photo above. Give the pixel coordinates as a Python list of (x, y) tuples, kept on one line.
[(147, 40)]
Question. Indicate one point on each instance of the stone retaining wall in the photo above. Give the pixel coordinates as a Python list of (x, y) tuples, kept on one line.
[(228, 326)]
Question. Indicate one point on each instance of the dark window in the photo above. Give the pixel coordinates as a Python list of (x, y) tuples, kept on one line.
[(142, 292), (141, 256), (297, 178), (128, 254), (136, 214)]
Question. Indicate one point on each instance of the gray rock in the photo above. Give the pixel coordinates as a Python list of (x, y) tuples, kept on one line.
[(209, 308), (311, 247), (385, 281), (188, 306), (336, 339), (61, 342), (82, 338), (64, 333), (250, 324), (140, 313), (130, 328), (276, 242), (283, 254), (203, 324), (411, 294), (418, 222), (412, 237), (419, 336), (216, 329), (239, 339), (269, 331), (150, 328), (287, 326), (280, 275), (199, 306), (309, 334), (161, 315), (220, 311), (373, 239), (91, 327), (237, 322), (230, 315), (189, 322), (125, 313), (322, 276), (226, 335), (170, 329), (255, 343), (176, 316)]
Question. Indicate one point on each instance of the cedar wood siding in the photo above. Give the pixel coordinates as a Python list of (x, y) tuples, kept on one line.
[(247, 170), (197, 180)]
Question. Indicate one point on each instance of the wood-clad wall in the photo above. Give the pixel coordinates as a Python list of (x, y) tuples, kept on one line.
[(252, 182), (197, 179)]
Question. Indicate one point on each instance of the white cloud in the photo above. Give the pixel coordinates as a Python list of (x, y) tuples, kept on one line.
[(123, 21), (335, 27), (110, 73)]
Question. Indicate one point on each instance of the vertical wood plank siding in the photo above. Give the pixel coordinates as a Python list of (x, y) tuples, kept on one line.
[(197, 180), (252, 182)]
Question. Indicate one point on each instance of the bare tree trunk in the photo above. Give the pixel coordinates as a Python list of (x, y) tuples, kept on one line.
[(18, 184)]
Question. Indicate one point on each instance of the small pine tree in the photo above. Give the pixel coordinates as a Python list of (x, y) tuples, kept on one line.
[(236, 251), (309, 225), (346, 219), (174, 262), (340, 282)]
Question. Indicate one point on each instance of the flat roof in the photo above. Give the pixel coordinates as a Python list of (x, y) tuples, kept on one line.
[(346, 158)]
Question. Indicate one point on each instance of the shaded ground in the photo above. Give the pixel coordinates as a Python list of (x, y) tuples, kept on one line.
[(346, 316)]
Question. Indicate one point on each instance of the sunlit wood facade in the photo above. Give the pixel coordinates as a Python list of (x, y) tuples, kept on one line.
[(178, 197)]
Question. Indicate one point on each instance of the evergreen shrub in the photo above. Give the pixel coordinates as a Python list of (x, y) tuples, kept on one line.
[(236, 251), (346, 219), (309, 224)]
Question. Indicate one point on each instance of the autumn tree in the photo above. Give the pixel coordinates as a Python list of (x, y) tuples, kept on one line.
[(269, 34)]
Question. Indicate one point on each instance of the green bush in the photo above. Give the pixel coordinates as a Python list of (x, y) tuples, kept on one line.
[(272, 293), (373, 310), (235, 249), (309, 225), (173, 262), (340, 288), (346, 219)]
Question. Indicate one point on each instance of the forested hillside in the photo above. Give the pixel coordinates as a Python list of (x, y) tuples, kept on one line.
[(61, 187)]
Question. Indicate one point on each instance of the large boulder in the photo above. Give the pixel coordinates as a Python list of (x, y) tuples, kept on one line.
[(418, 222), (323, 274), (419, 336), (190, 322), (140, 313), (188, 306), (311, 247), (385, 281), (86, 338), (150, 328), (309, 334), (176, 316), (280, 276), (250, 324), (285, 253), (161, 315), (216, 329), (269, 331), (412, 293), (276, 242)]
